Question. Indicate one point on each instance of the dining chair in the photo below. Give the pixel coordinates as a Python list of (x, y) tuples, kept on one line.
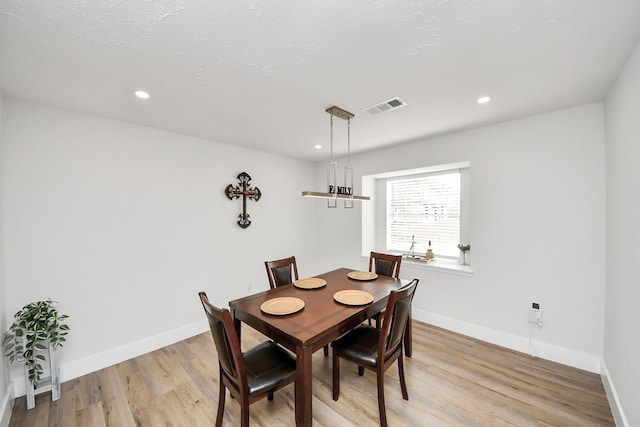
[(282, 271), (248, 376), (389, 265), (377, 349), (385, 264)]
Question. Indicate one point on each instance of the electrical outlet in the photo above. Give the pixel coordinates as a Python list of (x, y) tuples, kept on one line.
[(539, 318), (533, 315)]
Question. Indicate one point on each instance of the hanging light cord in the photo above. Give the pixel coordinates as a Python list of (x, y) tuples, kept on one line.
[(331, 138), (348, 141)]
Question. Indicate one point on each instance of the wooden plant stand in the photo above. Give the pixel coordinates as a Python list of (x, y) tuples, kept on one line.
[(50, 383)]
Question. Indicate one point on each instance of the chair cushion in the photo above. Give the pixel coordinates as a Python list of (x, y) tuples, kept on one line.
[(384, 267), (282, 274), (268, 365), (360, 344)]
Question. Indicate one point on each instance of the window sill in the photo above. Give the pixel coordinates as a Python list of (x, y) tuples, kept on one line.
[(441, 265)]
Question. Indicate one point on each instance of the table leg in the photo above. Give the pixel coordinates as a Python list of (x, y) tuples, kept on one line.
[(304, 392), (238, 326)]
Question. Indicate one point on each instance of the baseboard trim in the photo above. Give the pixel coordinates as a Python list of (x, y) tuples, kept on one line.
[(6, 407), (535, 348), (116, 355), (93, 363), (616, 408)]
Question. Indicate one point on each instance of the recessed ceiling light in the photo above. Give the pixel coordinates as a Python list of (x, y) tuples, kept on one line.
[(142, 94), (318, 147), (484, 99)]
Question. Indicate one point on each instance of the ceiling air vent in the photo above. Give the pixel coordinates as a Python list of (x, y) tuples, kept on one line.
[(388, 105)]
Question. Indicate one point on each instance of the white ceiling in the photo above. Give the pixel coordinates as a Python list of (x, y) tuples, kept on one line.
[(260, 74)]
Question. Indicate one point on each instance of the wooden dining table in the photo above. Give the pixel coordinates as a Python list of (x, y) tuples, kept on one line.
[(318, 323)]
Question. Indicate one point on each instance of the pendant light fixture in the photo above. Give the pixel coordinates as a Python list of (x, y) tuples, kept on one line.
[(335, 191)]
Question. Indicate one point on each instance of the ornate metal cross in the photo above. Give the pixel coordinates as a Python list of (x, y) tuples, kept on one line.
[(243, 189)]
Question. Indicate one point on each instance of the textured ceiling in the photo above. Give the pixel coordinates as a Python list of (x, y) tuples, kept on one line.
[(260, 74)]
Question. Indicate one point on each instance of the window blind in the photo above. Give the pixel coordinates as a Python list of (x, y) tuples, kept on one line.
[(426, 207)]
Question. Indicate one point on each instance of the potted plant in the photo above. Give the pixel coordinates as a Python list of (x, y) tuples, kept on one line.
[(36, 324)]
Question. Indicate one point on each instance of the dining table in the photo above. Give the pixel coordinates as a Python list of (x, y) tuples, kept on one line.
[(320, 320)]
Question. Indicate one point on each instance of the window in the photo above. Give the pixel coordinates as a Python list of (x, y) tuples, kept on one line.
[(424, 204), (424, 208)]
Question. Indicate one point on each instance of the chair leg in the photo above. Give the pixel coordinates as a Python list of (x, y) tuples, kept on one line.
[(360, 370), (270, 397), (381, 406), (403, 383), (336, 375), (221, 397), (326, 350), (244, 413)]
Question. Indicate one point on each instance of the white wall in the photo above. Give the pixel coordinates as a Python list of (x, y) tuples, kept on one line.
[(123, 225), (537, 233), (6, 401), (622, 322)]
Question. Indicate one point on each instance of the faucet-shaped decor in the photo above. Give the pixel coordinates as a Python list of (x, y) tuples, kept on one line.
[(412, 249)]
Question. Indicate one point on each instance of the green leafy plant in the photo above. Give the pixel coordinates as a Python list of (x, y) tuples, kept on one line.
[(34, 325)]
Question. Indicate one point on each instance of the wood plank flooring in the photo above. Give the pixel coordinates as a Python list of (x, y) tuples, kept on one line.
[(453, 380)]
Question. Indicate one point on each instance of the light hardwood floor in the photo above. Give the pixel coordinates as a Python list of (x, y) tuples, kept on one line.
[(453, 380)]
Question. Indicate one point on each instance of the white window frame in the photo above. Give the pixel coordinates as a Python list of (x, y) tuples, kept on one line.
[(422, 242), (374, 213)]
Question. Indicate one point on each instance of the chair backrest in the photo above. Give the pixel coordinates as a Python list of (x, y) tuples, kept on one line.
[(385, 264), (395, 318), (280, 271), (226, 341)]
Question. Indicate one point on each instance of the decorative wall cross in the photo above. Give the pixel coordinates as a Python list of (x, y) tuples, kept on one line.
[(243, 189)]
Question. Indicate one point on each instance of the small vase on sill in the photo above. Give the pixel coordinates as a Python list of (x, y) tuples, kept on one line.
[(429, 255), (463, 258)]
